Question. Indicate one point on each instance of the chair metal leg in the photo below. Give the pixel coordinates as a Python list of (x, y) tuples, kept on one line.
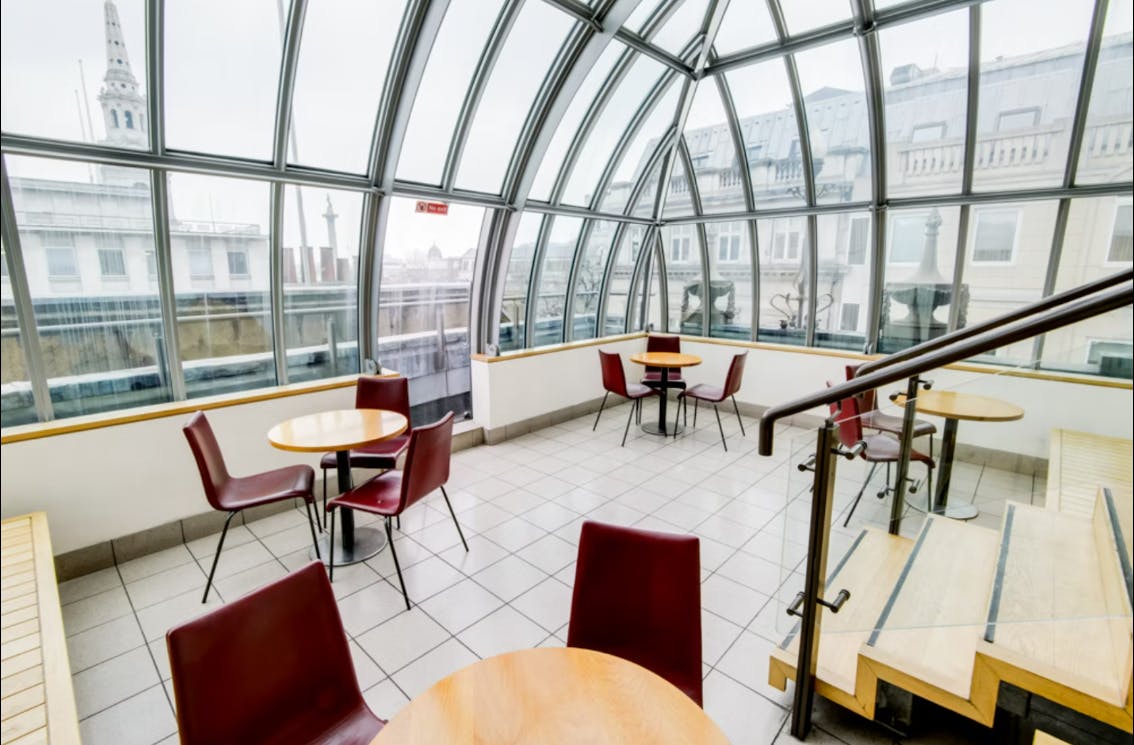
[(454, 516), (696, 403), (677, 416), (741, 421), (397, 566), (331, 547), (718, 413), (220, 545), (398, 522), (311, 522), (854, 505), (638, 409), (600, 408), (628, 420), (324, 491)]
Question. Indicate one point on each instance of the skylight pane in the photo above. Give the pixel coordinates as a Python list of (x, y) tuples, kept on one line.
[(713, 152), (681, 27), (679, 200), (745, 25), (805, 15), (640, 150)]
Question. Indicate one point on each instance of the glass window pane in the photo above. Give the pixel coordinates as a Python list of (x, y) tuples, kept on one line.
[(804, 15), (713, 152), (551, 295), (1107, 153), (629, 246), (679, 200), (612, 122), (423, 311), (339, 81), (835, 98), (653, 318), (588, 283), (224, 321), (763, 101), (925, 80), (1031, 59), (745, 25), (516, 282), (642, 14), (221, 77), (1005, 267), (917, 288), (82, 80), (569, 124), (16, 403), (524, 62), (843, 296), (684, 279), (641, 149), (645, 203), (730, 265), (682, 25), (320, 276), (100, 335), (1097, 244), (783, 280), (452, 62)]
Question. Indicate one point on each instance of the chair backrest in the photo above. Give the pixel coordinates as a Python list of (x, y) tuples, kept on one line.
[(207, 453), (866, 399), (847, 416), (427, 460), (391, 394), (613, 376), (272, 666), (662, 343), (735, 374), (638, 596)]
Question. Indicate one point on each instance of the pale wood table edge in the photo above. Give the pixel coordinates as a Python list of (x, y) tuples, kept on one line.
[(673, 706), (925, 405), (670, 359), (277, 441)]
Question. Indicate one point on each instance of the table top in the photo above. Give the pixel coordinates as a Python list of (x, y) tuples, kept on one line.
[(551, 696), (960, 405), (336, 430), (666, 359)]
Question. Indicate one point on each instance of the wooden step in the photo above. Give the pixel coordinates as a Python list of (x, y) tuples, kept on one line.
[(868, 570), (1059, 620), (1080, 462), (926, 637)]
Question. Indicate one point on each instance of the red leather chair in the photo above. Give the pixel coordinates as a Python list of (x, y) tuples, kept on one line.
[(232, 494), (389, 494), (638, 596), (270, 667), (391, 394), (872, 418), (614, 381), (880, 448), (653, 375), (715, 395)]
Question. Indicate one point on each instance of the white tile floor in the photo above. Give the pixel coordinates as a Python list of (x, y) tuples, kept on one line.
[(521, 504)]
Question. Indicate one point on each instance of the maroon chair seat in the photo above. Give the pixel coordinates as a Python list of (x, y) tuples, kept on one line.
[(232, 494), (272, 667), (653, 375), (637, 596), (391, 394), (389, 493), (872, 418), (879, 448), (614, 381), (715, 395)]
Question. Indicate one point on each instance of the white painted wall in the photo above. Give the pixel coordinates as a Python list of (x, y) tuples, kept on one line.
[(105, 483)]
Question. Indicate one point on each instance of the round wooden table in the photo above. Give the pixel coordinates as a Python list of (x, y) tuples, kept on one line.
[(666, 361), (955, 406), (551, 696), (340, 431)]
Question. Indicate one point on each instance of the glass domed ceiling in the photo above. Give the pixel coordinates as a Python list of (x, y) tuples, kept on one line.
[(208, 197)]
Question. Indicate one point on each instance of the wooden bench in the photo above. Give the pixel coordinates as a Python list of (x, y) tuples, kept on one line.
[(37, 703)]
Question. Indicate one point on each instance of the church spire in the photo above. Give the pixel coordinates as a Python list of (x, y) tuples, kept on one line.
[(123, 107)]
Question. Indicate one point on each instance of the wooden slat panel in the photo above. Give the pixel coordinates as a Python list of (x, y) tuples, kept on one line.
[(1080, 463), (18, 703), (23, 723), (17, 682)]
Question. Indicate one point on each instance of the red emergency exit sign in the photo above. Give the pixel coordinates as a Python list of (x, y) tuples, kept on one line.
[(432, 208)]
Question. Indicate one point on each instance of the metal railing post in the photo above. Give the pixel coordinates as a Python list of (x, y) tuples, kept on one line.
[(822, 496), (906, 442)]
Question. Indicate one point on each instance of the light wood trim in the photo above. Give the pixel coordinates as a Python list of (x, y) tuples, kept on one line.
[(177, 408), (1042, 738), (336, 430), (669, 360), (552, 349), (551, 696), (967, 406), (39, 702)]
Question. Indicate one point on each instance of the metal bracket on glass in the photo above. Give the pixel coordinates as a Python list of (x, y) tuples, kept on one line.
[(849, 453), (836, 606)]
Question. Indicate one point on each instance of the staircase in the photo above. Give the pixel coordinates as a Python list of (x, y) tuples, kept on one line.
[(962, 614)]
